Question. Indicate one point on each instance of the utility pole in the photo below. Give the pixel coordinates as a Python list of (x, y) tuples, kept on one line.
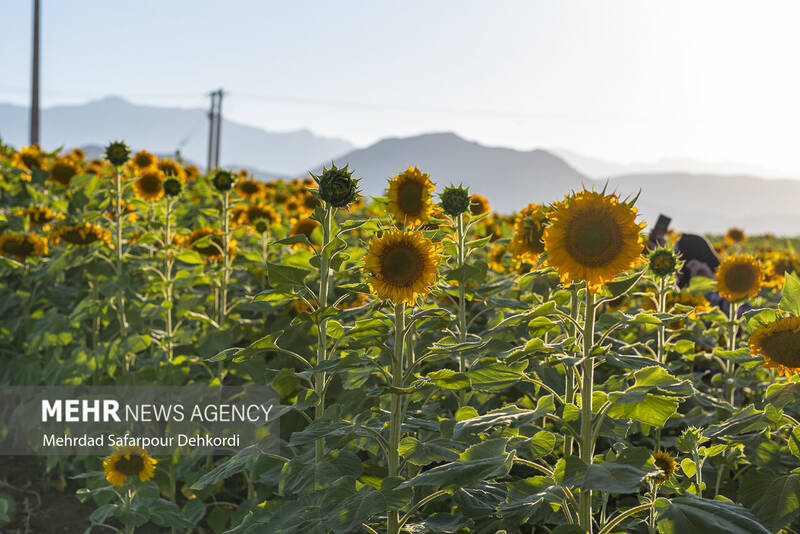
[(34, 129), (214, 130)]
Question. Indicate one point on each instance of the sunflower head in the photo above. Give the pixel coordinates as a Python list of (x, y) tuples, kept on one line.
[(170, 167), (779, 344), (172, 187), (83, 234), (143, 160), (478, 204), (735, 235), (739, 277), (260, 211), (526, 244), (402, 266), (21, 246), (593, 237), (410, 197), (129, 462), (28, 157), (666, 463), (662, 262), (249, 189), (304, 226), (212, 247), (41, 216), (261, 226), (62, 170), (223, 181), (496, 254), (150, 185), (191, 172), (455, 200), (95, 166), (337, 186), (117, 153)]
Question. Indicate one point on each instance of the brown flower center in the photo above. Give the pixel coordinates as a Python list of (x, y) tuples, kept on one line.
[(130, 466), (401, 265), (593, 238), (783, 347)]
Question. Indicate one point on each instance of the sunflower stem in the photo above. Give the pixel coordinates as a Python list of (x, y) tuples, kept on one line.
[(730, 391), (322, 339), (587, 434), (123, 324), (168, 262), (569, 371), (393, 461), (462, 305)]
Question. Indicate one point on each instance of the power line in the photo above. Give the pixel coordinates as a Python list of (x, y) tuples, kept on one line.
[(214, 129)]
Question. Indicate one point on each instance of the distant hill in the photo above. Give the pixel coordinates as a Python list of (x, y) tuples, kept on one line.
[(509, 178), (512, 178), (163, 130)]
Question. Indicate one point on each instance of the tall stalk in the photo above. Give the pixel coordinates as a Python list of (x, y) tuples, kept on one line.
[(322, 336), (587, 387), (733, 328), (123, 324), (462, 305), (569, 371), (168, 263), (223, 304), (393, 461)]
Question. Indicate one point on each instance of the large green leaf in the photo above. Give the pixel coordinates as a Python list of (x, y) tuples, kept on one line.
[(774, 499), (611, 477), (790, 301), (692, 515), (643, 407)]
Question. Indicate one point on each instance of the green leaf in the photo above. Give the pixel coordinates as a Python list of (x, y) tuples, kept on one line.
[(229, 467), (610, 477), (542, 443), (265, 343), (620, 286), (647, 408), (449, 379), (187, 255), (496, 375), (701, 284), (790, 301), (424, 453), (692, 515), (285, 275), (774, 500)]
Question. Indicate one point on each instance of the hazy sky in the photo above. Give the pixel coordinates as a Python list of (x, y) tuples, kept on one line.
[(622, 80)]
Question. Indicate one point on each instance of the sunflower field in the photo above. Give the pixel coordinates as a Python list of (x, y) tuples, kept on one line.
[(441, 368)]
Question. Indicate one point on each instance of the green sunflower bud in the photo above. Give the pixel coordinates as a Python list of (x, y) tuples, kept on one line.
[(663, 262), (172, 187), (117, 152), (223, 181), (337, 186), (455, 200), (261, 225)]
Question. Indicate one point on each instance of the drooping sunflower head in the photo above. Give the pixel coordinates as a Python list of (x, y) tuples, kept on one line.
[(117, 153), (593, 237), (41, 216), (149, 185), (455, 200), (304, 226), (95, 166), (410, 197), (526, 244), (222, 181), (77, 154), (28, 157), (21, 246), (478, 204), (83, 234), (172, 187), (129, 462), (662, 262), (402, 266), (143, 160), (778, 265), (739, 277), (666, 463), (249, 189), (337, 186), (260, 211), (779, 344), (496, 254), (735, 235), (62, 170), (170, 167)]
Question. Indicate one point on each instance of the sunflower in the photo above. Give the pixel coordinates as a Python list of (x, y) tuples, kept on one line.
[(309, 201), (170, 167), (191, 172), (662, 262), (143, 160), (353, 300), (261, 211), (294, 208), (213, 250), (95, 166), (21, 246), (249, 189), (402, 265), (62, 170), (28, 157), (83, 234), (592, 237), (739, 277), (410, 197), (304, 226), (129, 462), (478, 204), (779, 344), (150, 185), (41, 216), (77, 154), (777, 265), (127, 209), (666, 463), (526, 245), (735, 235)]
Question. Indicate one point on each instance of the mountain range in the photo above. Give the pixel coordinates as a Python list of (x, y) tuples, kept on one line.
[(696, 201)]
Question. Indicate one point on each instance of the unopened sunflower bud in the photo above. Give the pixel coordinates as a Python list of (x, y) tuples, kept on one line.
[(663, 262), (172, 187), (117, 152), (455, 200), (223, 181), (337, 186)]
